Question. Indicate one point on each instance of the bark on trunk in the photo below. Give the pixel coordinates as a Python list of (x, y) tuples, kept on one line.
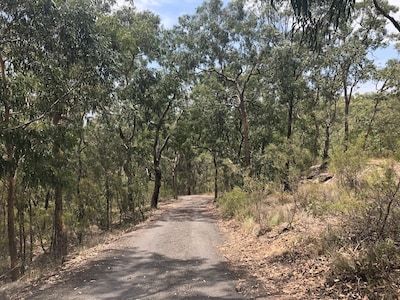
[(10, 178), (175, 176), (215, 178), (158, 149), (59, 243), (346, 122), (109, 202), (245, 132), (157, 184), (370, 123), (22, 237), (81, 206), (331, 116), (286, 181), (60, 237), (12, 242), (327, 141), (31, 231)]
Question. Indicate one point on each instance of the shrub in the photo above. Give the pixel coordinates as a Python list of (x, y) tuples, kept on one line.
[(370, 251), (379, 216), (319, 200), (348, 166), (236, 203), (373, 262)]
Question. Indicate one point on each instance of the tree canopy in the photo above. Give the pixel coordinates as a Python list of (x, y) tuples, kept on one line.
[(104, 112)]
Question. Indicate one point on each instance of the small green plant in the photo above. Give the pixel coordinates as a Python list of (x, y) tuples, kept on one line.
[(348, 166), (277, 219), (236, 203)]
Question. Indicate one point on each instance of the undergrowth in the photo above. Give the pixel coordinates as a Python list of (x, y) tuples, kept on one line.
[(364, 199)]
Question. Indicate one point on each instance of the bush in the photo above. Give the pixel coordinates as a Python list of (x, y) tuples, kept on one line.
[(319, 200), (372, 263), (236, 203), (370, 251), (379, 216), (348, 166)]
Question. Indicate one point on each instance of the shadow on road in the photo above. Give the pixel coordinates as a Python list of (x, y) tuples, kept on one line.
[(133, 274), (174, 257)]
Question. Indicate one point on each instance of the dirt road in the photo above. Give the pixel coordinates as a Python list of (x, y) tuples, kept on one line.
[(173, 257)]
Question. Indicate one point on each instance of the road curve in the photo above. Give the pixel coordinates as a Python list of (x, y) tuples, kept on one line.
[(174, 257)]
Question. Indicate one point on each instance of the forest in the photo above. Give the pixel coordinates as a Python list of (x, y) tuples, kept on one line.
[(104, 112)]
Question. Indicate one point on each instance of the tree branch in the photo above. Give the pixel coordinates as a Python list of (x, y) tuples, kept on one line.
[(386, 15), (50, 110)]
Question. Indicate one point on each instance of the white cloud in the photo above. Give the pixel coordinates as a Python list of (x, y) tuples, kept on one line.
[(142, 4), (148, 4)]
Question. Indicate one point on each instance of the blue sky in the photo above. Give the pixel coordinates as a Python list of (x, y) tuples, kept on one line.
[(170, 10)]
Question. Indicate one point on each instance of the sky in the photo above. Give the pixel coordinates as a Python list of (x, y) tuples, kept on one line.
[(170, 10)]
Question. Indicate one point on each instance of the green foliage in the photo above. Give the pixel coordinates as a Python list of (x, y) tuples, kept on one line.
[(319, 200), (276, 157), (236, 203), (367, 246), (348, 165), (95, 101), (377, 218)]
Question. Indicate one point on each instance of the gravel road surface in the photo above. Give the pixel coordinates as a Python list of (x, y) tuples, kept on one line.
[(173, 257)]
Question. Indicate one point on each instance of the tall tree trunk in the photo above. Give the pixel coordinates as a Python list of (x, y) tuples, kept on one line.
[(81, 205), (286, 181), (325, 154), (131, 199), (346, 122), (290, 117), (157, 153), (12, 242), (245, 131), (127, 166), (315, 147), (347, 99), (59, 243), (109, 204), (22, 236), (215, 177), (330, 118), (31, 232), (11, 180), (371, 122), (189, 177), (157, 183), (175, 175)]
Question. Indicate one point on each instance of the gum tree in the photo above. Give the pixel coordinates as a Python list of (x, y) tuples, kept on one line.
[(231, 44)]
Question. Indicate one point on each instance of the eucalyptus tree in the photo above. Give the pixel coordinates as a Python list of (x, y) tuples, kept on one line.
[(387, 81), (163, 103), (354, 45), (217, 134), (326, 82), (320, 16), (77, 72), (23, 27), (231, 43), (50, 73), (134, 38), (291, 62)]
